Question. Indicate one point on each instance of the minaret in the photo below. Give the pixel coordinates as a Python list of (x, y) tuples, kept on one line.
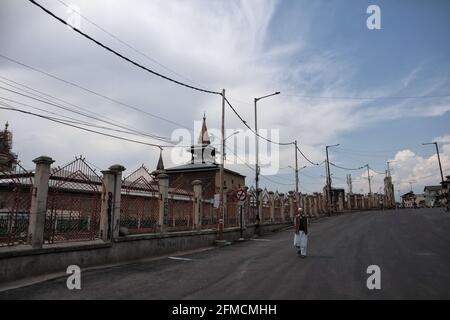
[(203, 152), (159, 166), (8, 159)]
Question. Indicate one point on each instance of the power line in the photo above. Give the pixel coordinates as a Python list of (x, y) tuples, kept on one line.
[(121, 55), (350, 169), (74, 120), (313, 163), (78, 127), (92, 92), (58, 105), (127, 44), (74, 111), (367, 98), (252, 130)]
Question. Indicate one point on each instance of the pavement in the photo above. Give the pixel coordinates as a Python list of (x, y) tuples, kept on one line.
[(411, 247)]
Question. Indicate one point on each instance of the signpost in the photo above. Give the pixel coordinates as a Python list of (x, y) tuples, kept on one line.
[(241, 195)]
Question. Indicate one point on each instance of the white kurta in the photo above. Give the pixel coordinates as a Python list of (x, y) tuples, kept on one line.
[(301, 242)]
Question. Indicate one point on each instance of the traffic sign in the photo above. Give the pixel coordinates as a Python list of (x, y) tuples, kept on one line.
[(241, 195)]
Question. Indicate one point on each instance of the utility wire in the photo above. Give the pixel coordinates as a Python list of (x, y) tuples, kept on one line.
[(96, 116), (65, 122), (127, 44), (121, 55), (350, 169), (306, 158), (91, 91), (74, 120), (367, 98), (78, 127)]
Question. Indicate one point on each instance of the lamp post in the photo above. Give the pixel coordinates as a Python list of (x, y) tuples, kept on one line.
[(296, 175), (439, 158), (257, 151), (329, 177), (233, 134)]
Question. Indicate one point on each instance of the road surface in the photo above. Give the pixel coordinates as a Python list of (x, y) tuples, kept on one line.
[(411, 247)]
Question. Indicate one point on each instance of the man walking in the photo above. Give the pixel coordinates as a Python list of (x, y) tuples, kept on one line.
[(301, 233)]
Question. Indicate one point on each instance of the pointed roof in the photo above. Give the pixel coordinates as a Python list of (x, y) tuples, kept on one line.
[(204, 136), (160, 166)]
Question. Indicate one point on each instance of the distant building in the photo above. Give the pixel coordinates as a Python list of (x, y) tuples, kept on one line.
[(409, 200), (8, 159), (412, 200), (203, 167), (432, 195)]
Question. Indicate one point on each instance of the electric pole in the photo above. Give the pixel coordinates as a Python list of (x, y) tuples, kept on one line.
[(296, 169), (329, 178), (257, 153), (368, 177), (221, 201), (439, 159)]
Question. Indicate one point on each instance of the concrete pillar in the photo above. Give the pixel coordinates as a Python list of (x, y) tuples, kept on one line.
[(38, 207), (272, 206), (260, 205), (291, 205), (117, 170), (197, 184), (106, 211), (282, 207), (163, 181), (316, 204), (341, 202)]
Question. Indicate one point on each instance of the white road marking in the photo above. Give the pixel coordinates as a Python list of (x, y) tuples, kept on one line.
[(260, 239), (424, 253), (178, 258)]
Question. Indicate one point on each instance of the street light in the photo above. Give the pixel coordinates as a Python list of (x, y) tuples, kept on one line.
[(257, 151), (329, 176), (233, 134), (439, 158), (388, 168)]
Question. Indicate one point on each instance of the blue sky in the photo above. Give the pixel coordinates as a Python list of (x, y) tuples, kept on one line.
[(319, 49)]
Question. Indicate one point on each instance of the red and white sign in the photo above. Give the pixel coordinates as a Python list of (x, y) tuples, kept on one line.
[(241, 195)]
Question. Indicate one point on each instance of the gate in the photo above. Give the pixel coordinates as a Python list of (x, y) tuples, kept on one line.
[(74, 203), (15, 203), (139, 202)]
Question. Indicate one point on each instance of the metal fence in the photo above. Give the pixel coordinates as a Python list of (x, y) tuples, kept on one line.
[(139, 202), (180, 210), (15, 203), (74, 203)]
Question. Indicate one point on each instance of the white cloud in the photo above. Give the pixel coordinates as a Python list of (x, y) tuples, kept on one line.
[(215, 43)]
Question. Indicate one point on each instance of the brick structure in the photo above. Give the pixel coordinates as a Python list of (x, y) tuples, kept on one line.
[(203, 167)]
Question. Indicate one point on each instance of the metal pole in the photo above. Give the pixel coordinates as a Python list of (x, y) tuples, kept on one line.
[(368, 177), (240, 211), (296, 168), (328, 181), (439, 159), (221, 206), (256, 164)]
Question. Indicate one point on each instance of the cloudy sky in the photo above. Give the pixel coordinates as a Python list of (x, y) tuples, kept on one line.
[(379, 93)]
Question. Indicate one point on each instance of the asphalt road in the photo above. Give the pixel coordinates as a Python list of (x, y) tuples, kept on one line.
[(411, 247)]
